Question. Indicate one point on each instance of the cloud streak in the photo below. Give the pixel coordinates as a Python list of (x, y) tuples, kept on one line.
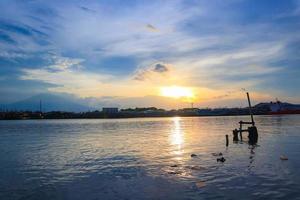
[(66, 77)]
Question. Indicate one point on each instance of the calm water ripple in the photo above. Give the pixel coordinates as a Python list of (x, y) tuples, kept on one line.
[(148, 159)]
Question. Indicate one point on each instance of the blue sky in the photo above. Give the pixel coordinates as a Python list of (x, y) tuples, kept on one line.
[(112, 48)]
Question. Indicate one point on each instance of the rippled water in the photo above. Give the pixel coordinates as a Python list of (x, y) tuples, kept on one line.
[(148, 159)]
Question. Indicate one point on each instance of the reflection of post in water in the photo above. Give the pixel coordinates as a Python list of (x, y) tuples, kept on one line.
[(251, 157), (252, 130)]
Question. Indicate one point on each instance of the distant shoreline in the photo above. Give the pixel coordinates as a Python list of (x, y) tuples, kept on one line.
[(132, 117), (115, 113)]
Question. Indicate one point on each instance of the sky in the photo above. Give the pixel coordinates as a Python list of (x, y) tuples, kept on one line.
[(130, 52)]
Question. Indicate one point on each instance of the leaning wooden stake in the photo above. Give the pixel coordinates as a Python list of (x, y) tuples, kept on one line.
[(250, 109)]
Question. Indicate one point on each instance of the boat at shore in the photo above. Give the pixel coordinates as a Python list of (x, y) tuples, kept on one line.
[(279, 108)]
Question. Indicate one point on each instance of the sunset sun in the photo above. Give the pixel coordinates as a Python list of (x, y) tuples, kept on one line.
[(177, 92)]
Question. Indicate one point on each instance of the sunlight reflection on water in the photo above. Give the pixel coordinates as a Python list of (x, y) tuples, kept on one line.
[(177, 134)]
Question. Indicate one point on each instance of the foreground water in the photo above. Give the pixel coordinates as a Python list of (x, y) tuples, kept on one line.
[(148, 159)]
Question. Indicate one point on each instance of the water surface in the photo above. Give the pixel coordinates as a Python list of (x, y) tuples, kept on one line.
[(148, 158)]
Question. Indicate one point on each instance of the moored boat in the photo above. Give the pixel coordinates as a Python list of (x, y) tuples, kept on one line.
[(279, 108)]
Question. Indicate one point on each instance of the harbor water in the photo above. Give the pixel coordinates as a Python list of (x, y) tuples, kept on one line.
[(148, 158)]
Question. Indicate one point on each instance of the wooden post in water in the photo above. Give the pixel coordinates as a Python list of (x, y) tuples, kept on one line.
[(241, 128), (241, 136), (235, 135), (253, 135), (227, 142)]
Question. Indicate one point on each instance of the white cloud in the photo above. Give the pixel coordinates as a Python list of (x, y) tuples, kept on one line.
[(67, 77), (211, 70), (64, 64)]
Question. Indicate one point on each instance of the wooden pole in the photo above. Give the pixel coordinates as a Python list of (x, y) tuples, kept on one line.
[(250, 109), (235, 135), (241, 128), (227, 141), (241, 136)]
